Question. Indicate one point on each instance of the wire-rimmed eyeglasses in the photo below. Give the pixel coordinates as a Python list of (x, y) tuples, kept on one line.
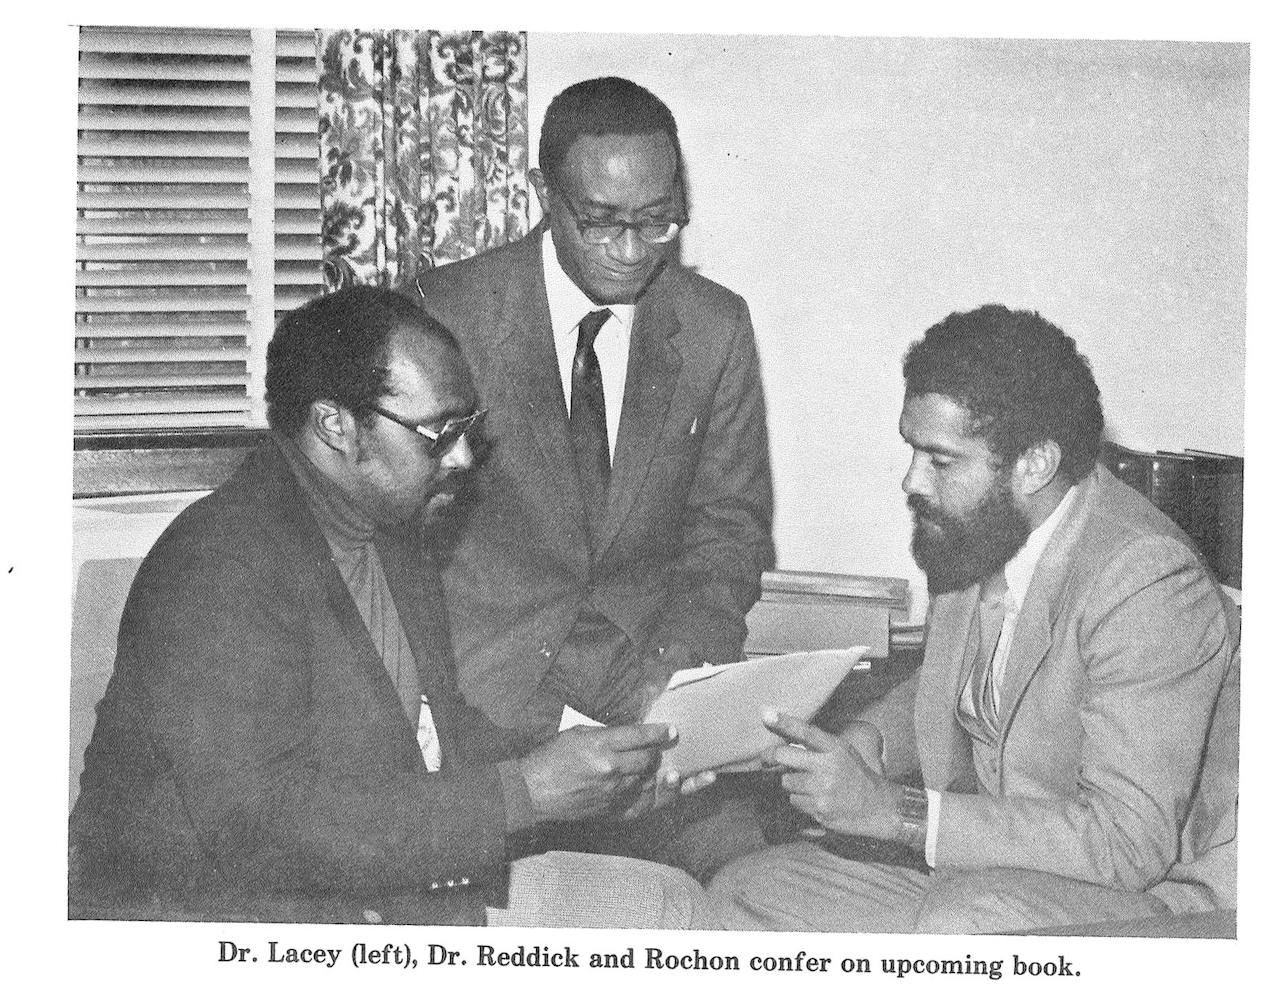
[(440, 441)]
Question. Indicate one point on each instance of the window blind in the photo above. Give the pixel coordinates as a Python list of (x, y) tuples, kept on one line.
[(169, 246), (298, 260)]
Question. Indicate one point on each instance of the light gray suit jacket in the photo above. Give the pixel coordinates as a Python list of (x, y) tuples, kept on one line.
[(1117, 761), (690, 505)]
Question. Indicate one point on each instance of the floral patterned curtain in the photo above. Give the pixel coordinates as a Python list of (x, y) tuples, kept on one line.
[(423, 149)]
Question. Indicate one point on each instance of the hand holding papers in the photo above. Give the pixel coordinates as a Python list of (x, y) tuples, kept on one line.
[(584, 773), (717, 709), (837, 780)]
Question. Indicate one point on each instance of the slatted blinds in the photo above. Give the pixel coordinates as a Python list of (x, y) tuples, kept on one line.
[(197, 220)]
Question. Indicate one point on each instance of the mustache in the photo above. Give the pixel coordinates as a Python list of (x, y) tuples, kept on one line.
[(921, 506)]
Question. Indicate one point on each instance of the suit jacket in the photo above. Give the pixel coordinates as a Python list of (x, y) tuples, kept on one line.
[(1117, 759), (687, 525), (251, 758)]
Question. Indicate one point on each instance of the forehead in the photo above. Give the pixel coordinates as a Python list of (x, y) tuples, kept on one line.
[(936, 423), (623, 172), (428, 378)]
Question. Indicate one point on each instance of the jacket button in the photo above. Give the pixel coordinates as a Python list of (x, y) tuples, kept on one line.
[(465, 880), (372, 916), (545, 652), (434, 886)]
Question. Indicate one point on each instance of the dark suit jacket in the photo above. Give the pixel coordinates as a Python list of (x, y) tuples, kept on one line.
[(1117, 761), (251, 758), (688, 521)]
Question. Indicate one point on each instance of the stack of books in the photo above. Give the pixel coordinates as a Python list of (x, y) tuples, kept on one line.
[(803, 611), (1202, 492)]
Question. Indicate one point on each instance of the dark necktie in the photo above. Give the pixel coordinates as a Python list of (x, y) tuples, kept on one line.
[(588, 431)]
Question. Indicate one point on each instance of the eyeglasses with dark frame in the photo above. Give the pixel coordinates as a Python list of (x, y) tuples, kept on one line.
[(440, 441), (601, 232)]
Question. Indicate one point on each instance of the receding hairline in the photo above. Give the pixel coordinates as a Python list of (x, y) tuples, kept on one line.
[(423, 323), (437, 349)]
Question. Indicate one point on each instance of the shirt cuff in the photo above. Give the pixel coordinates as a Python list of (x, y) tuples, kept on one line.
[(931, 828)]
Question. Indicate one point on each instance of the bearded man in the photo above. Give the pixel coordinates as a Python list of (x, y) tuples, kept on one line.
[(1075, 721)]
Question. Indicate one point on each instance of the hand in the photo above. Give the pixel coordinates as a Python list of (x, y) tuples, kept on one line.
[(586, 771), (663, 788), (866, 740), (839, 781)]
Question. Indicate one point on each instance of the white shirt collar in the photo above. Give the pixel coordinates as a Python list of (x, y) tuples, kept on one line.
[(1019, 569), (567, 303)]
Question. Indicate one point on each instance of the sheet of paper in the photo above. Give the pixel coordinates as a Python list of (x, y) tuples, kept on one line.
[(571, 717), (683, 677), (718, 715)]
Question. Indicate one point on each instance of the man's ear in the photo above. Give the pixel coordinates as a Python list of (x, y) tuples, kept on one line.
[(332, 425), (1037, 466), (539, 182)]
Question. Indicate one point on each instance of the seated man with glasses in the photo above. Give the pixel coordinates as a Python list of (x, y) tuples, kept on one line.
[(619, 529), (283, 738)]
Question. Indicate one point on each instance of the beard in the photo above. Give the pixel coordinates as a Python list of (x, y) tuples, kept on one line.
[(393, 501), (958, 550)]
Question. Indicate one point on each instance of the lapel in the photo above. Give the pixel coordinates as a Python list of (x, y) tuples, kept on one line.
[(318, 560), (1042, 604), (944, 745), (653, 368), (414, 581), (414, 587), (525, 351)]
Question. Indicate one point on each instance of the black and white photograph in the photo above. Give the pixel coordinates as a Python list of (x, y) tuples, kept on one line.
[(709, 500)]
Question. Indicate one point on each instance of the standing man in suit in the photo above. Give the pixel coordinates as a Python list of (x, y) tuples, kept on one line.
[(282, 738), (618, 530), (1076, 716)]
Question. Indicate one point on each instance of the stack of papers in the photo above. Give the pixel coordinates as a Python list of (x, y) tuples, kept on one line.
[(717, 709)]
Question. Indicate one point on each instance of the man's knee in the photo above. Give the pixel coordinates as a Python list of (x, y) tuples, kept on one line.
[(1014, 900), (678, 900), (576, 890), (801, 887)]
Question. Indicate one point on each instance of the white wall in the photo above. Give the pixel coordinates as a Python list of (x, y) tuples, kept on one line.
[(857, 190)]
